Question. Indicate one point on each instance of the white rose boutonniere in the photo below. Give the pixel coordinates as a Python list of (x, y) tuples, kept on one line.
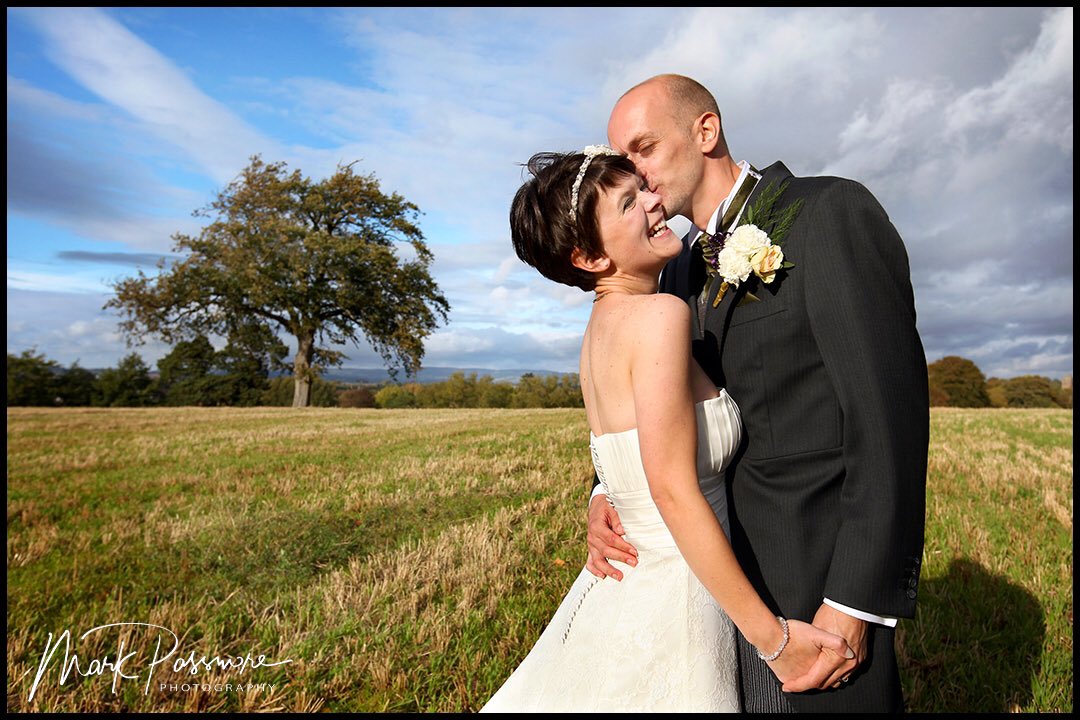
[(748, 249)]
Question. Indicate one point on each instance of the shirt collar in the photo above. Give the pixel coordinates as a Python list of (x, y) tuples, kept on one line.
[(744, 170)]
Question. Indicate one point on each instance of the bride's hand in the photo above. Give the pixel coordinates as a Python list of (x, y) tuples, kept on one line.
[(811, 658), (605, 540)]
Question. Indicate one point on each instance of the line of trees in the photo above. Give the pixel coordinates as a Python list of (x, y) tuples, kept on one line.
[(468, 391), (194, 374), (958, 382), (243, 374)]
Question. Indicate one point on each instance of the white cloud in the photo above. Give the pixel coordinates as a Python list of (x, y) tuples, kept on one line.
[(86, 333), (508, 265), (453, 342), (122, 69), (499, 348), (20, 92), (793, 53), (25, 280), (1028, 100), (80, 328)]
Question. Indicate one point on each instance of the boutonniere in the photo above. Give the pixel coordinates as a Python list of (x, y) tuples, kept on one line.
[(752, 247)]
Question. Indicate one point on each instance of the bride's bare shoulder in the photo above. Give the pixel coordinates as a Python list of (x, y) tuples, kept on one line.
[(663, 309), (661, 315), (667, 303), (645, 315)]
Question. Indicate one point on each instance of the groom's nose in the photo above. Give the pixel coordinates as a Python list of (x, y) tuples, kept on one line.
[(651, 200)]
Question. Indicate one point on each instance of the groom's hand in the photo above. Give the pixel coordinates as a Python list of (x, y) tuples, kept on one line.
[(851, 629), (605, 540), (809, 658)]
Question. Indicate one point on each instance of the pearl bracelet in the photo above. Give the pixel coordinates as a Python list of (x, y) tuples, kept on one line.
[(783, 643)]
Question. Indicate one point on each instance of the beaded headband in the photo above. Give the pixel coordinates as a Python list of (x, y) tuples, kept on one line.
[(591, 151)]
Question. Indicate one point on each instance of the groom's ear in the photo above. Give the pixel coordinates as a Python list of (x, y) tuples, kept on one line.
[(597, 264), (708, 131)]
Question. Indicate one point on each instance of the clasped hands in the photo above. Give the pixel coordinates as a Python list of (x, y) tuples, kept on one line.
[(819, 655), (830, 650)]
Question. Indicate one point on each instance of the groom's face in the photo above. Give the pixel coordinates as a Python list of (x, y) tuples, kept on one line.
[(644, 126)]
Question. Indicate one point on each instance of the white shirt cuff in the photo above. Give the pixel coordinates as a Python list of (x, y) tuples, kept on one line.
[(886, 621), (598, 490)]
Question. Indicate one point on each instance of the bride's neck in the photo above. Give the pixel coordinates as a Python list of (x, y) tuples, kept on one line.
[(622, 285)]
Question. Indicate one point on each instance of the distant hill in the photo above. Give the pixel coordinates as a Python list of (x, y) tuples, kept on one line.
[(426, 374)]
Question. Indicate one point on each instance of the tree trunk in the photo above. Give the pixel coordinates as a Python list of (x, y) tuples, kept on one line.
[(305, 351)]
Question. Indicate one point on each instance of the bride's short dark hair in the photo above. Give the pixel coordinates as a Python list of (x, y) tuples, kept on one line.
[(541, 228)]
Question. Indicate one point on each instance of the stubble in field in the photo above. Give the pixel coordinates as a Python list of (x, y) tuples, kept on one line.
[(406, 560)]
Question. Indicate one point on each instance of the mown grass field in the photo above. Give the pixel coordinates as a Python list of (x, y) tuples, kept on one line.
[(406, 560)]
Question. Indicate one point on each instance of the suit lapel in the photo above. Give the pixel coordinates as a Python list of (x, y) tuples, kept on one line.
[(774, 174)]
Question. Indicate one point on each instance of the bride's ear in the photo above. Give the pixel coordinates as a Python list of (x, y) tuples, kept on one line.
[(580, 260)]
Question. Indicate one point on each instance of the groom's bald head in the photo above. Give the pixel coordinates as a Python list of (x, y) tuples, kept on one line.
[(687, 99)]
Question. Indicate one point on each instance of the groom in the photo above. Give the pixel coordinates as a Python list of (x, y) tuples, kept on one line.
[(827, 492)]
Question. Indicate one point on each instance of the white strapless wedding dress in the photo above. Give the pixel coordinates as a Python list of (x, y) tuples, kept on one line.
[(657, 640)]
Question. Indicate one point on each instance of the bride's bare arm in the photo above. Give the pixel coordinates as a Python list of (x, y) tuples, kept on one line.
[(667, 431)]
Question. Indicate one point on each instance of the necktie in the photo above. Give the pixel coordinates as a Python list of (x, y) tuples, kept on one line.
[(723, 225)]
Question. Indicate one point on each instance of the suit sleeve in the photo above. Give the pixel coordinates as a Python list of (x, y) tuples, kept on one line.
[(862, 314)]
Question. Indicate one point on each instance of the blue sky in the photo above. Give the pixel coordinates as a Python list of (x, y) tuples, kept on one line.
[(122, 121)]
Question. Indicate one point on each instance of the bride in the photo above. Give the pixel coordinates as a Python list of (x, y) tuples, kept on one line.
[(661, 435)]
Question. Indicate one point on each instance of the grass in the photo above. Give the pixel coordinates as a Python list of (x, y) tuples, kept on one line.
[(406, 560), (993, 631)]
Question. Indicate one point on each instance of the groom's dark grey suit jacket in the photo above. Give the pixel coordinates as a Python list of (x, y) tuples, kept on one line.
[(827, 491)]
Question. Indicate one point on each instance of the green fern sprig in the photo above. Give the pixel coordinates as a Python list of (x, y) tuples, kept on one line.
[(763, 213)]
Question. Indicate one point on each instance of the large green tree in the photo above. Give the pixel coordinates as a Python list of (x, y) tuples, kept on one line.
[(317, 260), (957, 382)]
